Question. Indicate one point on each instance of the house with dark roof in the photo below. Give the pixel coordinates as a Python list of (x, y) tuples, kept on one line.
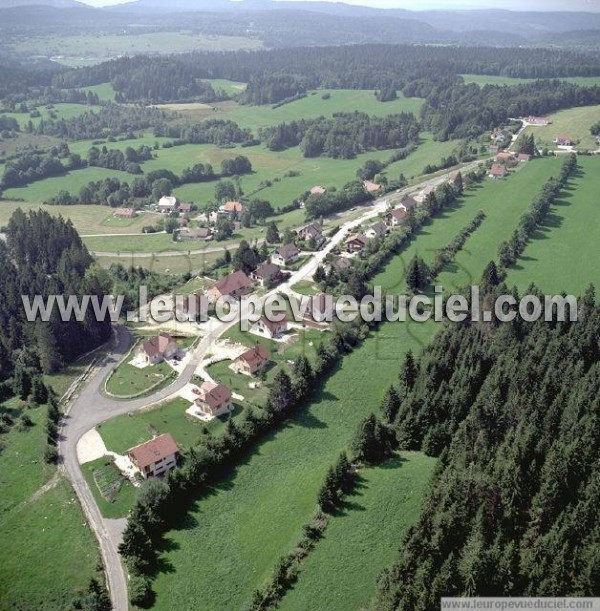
[(395, 217), (285, 255), (523, 158), (377, 230), (233, 285), (314, 231), (563, 140), (184, 208), (252, 361), (268, 275), (158, 348), (214, 400), (269, 328), (155, 457), (195, 234), (355, 243)]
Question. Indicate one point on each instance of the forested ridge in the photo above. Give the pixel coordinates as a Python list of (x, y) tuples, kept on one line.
[(513, 506), (44, 255)]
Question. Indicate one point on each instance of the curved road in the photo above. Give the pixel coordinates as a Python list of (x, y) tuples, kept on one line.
[(90, 407)]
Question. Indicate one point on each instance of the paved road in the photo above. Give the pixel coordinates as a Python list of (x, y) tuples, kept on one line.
[(90, 407)]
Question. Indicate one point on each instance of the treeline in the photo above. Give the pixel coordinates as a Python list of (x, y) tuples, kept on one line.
[(114, 159), (143, 79), (110, 121), (213, 131), (353, 194), (511, 411), (509, 251), (343, 136), (43, 255)]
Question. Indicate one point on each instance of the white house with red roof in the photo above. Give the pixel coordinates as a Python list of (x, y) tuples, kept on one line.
[(155, 457)]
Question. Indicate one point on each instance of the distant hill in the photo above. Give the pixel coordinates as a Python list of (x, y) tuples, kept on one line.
[(52, 3)]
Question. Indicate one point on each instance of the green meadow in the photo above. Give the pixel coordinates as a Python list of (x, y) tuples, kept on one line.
[(341, 572), (63, 111), (273, 493), (563, 255), (47, 553), (484, 79)]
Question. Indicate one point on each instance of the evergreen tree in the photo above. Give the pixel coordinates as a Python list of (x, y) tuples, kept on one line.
[(319, 275), (272, 235), (391, 404), (410, 371), (281, 395)]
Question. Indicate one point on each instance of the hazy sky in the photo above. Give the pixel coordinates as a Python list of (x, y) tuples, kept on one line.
[(539, 5)]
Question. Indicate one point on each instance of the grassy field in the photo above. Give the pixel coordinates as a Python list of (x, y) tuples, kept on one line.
[(343, 569), (229, 87), (91, 220), (482, 80), (129, 381), (563, 253), (87, 49), (273, 493), (125, 432), (63, 111), (574, 122), (47, 553)]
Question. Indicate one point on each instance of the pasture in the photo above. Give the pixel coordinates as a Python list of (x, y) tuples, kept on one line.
[(574, 122), (484, 79), (341, 572), (62, 111), (38, 506), (563, 254)]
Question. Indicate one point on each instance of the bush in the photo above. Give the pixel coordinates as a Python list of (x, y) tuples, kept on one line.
[(140, 592)]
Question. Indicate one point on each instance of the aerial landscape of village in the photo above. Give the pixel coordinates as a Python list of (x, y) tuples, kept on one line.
[(298, 305)]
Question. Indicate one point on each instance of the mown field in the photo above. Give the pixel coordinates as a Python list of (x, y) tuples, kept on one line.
[(87, 49), (483, 79), (47, 553), (63, 111), (574, 122), (357, 541), (564, 253), (273, 493)]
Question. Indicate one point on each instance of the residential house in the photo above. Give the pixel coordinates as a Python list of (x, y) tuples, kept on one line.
[(408, 203), (253, 361), (355, 243), (268, 328), (167, 204), (318, 190), (158, 348), (196, 234), (453, 178), (371, 187), (523, 158), (498, 136), (377, 230), (267, 275), (234, 285), (155, 457), (504, 157), (538, 120), (233, 209), (498, 171), (214, 400), (563, 140), (314, 231), (494, 148), (341, 264), (395, 217), (285, 255), (124, 213), (184, 208), (428, 190)]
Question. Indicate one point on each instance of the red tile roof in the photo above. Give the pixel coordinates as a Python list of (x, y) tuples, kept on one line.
[(255, 356), (215, 395), (232, 207), (158, 344), (154, 450), (233, 283)]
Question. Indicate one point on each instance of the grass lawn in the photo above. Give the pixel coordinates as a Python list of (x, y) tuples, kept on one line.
[(361, 539), (114, 494), (47, 553), (128, 381), (483, 79), (127, 431), (256, 514), (574, 122), (563, 255), (85, 49), (181, 264), (306, 287)]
